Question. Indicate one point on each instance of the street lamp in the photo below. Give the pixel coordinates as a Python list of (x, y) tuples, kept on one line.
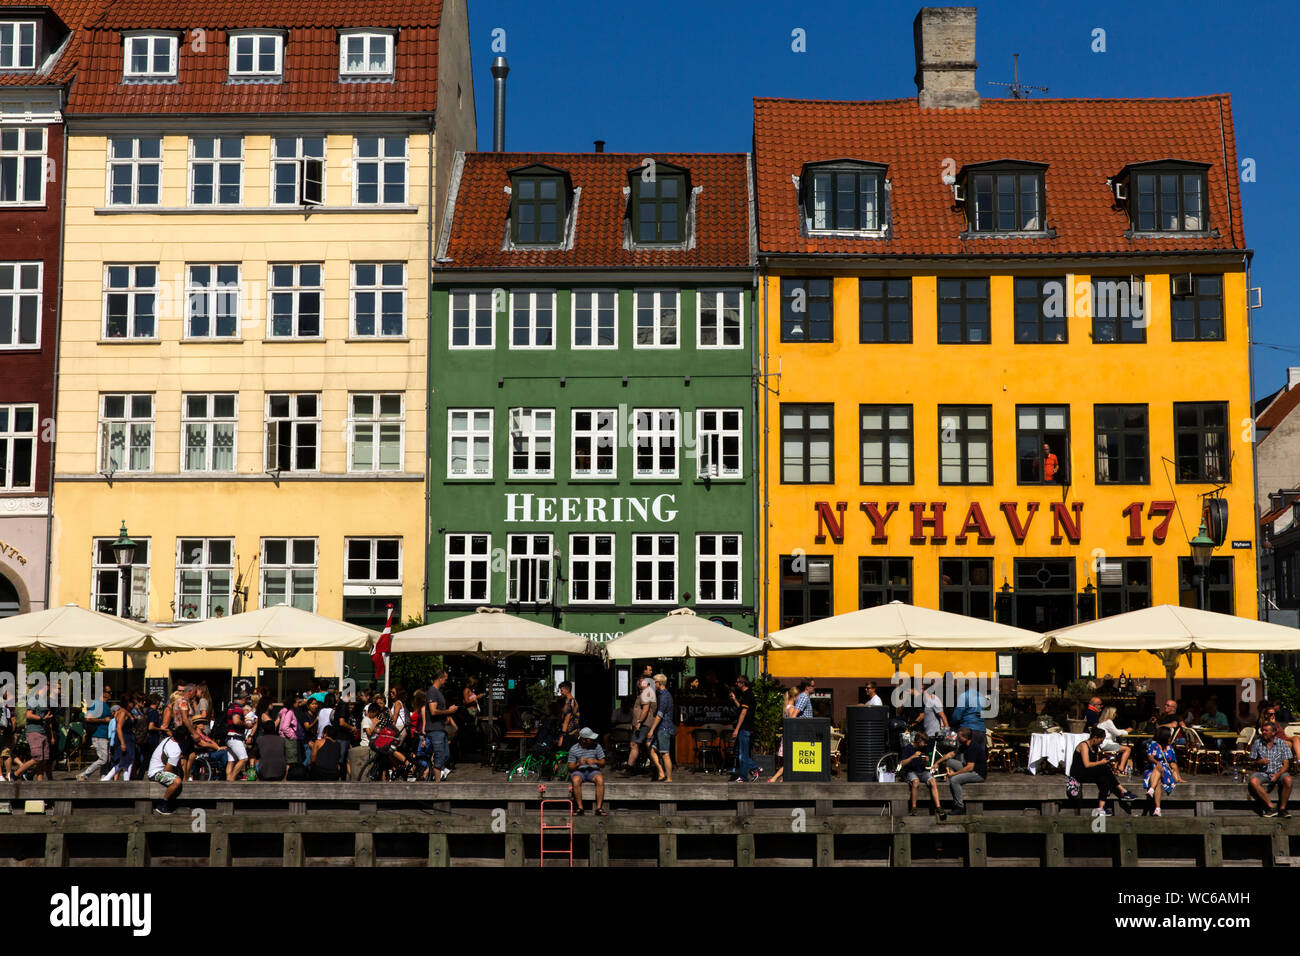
[(1202, 550), (124, 553)]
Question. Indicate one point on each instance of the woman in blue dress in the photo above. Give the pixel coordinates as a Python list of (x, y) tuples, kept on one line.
[(1162, 767)]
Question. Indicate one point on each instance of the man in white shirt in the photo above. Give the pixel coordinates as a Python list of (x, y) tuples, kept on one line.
[(873, 699), (643, 715), (162, 769)]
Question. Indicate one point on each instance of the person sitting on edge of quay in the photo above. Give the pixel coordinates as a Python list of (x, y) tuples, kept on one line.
[(586, 761), (912, 765), (970, 767), (1112, 743), (1161, 761), (1090, 766), (1272, 758), (1272, 713), (163, 766)]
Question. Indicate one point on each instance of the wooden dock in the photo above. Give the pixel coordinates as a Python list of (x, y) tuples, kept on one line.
[(1012, 821)]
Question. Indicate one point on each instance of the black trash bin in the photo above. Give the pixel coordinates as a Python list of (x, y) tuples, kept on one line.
[(867, 729), (807, 753)]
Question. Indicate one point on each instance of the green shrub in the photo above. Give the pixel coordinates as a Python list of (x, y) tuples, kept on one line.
[(769, 704)]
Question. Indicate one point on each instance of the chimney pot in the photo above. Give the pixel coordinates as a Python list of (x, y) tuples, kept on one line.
[(500, 70), (945, 58), (1292, 377), (600, 145)]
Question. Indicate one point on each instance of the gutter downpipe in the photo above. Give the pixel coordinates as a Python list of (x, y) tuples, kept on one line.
[(428, 376), (767, 524), (54, 394)]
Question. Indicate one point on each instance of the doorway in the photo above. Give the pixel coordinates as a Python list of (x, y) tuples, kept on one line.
[(218, 682)]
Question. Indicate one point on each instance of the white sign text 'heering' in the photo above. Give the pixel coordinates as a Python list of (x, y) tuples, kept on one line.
[(529, 509)]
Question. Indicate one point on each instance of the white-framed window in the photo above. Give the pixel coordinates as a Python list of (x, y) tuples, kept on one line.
[(591, 569), (655, 438), (22, 164), (595, 319), (656, 319), (296, 291), (17, 447), (473, 320), (530, 563), (469, 443), (717, 568), (532, 319), (216, 170), (654, 568), (20, 304), (130, 301), (212, 309), (289, 572), (259, 55), (126, 432), (297, 170), (210, 421), (205, 578), (293, 431), (468, 568), (375, 431), (365, 54), (106, 579), (532, 443), (378, 299), (150, 56), (720, 324), (380, 170), (373, 567), (719, 443), (18, 45), (134, 170), (595, 442)]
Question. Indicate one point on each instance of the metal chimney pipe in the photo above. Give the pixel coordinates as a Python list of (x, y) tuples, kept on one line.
[(500, 70), (600, 145)]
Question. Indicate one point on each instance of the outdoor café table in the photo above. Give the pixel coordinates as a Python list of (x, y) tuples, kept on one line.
[(1056, 749)]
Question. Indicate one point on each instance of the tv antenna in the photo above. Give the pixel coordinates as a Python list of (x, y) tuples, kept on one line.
[(1019, 91)]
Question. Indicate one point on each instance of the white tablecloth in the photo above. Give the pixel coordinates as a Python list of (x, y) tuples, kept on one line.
[(1054, 748)]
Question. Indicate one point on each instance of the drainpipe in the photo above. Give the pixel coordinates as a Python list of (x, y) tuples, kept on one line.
[(54, 395), (753, 441), (767, 457), (428, 379)]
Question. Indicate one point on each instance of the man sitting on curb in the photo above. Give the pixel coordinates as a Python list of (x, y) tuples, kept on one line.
[(1272, 756), (162, 769), (970, 767), (586, 758)]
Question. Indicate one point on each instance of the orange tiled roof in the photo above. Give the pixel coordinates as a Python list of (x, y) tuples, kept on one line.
[(310, 81), (1278, 410), (1083, 141), (482, 208), (74, 14)]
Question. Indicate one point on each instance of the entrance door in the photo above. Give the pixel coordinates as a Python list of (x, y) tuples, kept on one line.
[(1044, 600)]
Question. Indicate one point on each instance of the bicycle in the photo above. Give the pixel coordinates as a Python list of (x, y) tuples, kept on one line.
[(890, 761), (207, 766), (544, 763)]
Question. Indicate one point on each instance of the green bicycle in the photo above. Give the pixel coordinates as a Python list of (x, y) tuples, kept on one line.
[(545, 764)]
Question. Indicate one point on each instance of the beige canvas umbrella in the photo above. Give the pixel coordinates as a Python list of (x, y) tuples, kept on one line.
[(682, 633), (73, 629)]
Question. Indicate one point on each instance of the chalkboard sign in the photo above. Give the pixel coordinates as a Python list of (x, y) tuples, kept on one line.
[(156, 685), (497, 682), (243, 686)]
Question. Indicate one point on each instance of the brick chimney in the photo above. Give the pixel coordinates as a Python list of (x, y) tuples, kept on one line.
[(945, 58)]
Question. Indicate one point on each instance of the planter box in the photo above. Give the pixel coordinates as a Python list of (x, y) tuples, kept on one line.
[(1076, 726)]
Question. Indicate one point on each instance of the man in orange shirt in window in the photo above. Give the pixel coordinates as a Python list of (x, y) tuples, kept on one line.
[(1050, 463)]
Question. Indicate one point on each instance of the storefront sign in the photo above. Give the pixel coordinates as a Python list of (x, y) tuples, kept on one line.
[(600, 637), (1241, 545), (530, 509), (9, 551)]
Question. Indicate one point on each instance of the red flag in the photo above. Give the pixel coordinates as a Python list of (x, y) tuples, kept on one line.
[(383, 645)]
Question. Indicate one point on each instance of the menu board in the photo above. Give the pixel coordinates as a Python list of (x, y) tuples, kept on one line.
[(497, 682), (156, 685)]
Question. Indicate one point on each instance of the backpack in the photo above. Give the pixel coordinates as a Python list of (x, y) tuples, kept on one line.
[(1072, 789), (140, 729)]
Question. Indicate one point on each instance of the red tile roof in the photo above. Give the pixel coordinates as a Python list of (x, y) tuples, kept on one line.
[(1083, 141), (1278, 410), (310, 82), (74, 14), (482, 208)]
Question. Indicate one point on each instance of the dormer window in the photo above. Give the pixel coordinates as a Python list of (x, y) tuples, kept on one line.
[(256, 55), (539, 200), (1003, 197), (365, 54), (18, 46), (1168, 196), (150, 56), (660, 194), (843, 197)]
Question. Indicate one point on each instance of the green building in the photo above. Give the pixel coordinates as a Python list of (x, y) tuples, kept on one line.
[(591, 399)]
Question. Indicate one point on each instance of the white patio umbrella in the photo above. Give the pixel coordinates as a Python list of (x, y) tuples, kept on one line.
[(682, 633), (70, 628)]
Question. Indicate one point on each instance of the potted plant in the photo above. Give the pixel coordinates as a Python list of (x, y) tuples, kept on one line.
[(769, 704), (1080, 692)]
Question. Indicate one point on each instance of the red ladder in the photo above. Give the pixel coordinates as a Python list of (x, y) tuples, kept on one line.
[(546, 827)]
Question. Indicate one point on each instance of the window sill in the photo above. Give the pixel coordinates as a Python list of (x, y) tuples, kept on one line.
[(528, 480), (596, 479), (20, 348), (131, 341), (213, 340), (378, 338), (249, 210), (657, 348), (279, 339), (458, 480), (657, 479), (25, 206)]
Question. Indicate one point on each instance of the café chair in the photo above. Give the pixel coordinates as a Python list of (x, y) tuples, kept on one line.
[(1240, 753), (620, 745), (706, 745), (1198, 755), (1000, 753)]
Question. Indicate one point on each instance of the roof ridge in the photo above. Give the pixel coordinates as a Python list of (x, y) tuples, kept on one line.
[(1207, 97)]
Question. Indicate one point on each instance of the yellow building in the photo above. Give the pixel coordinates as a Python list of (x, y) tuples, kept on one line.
[(1007, 356), (251, 210)]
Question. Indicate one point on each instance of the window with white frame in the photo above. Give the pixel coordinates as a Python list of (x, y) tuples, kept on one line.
[(378, 299), (654, 568), (595, 319), (205, 578), (655, 440), (298, 170), (212, 310), (375, 426), (216, 170), (373, 567), (473, 320), (289, 572), (18, 45), (719, 435), (720, 324), (22, 164), (468, 568), (106, 579), (150, 56), (529, 568), (532, 319), (380, 173), (134, 170), (256, 55), (367, 54), (209, 421), (591, 569), (469, 443), (717, 568), (532, 443), (656, 318), (595, 445), (17, 447), (130, 301), (296, 291), (126, 432), (20, 304), (293, 431)]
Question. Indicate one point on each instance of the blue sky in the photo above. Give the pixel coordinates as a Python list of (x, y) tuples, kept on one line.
[(677, 75)]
